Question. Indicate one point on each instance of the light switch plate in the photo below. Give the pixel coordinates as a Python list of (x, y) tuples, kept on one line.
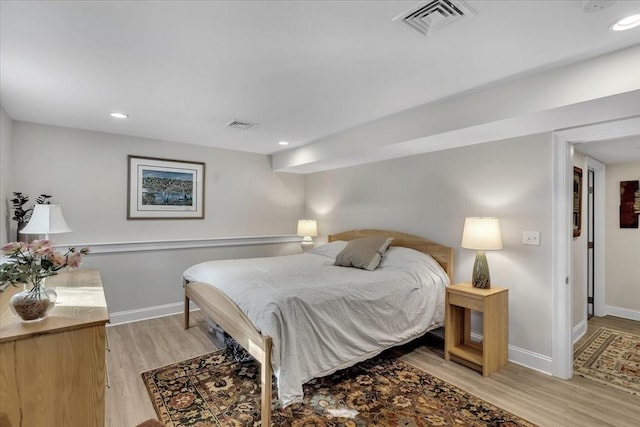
[(531, 238)]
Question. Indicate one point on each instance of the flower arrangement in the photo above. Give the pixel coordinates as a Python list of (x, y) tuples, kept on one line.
[(33, 262)]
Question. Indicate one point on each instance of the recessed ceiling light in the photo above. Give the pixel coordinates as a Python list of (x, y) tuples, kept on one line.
[(119, 115), (626, 23), (283, 143)]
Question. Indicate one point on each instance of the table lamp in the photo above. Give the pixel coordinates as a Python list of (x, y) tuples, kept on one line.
[(46, 219), (481, 234), (307, 228)]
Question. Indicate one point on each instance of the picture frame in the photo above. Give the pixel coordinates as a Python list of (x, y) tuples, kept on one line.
[(629, 203), (164, 188), (577, 201)]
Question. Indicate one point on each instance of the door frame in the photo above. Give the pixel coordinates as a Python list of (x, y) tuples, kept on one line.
[(599, 236), (562, 231)]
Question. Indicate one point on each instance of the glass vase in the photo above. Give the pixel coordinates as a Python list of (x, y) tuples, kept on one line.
[(34, 302)]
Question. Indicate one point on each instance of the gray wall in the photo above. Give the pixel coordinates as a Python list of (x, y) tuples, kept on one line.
[(431, 194), (6, 125), (86, 172)]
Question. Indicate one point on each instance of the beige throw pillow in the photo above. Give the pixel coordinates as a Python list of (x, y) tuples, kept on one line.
[(364, 253)]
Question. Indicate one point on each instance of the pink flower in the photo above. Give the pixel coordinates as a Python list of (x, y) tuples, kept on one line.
[(13, 246), (44, 250), (57, 259), (74, 260), (39, 244)]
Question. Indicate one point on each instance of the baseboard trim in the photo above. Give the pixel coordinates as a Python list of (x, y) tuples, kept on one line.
[(625, 313), (128, 316), (579, 330), (527, 358)]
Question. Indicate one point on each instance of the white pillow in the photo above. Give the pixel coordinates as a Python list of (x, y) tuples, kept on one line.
[(406, 259)]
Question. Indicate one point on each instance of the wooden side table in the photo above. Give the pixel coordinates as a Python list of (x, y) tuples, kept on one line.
[(52, 372), (492, 353)]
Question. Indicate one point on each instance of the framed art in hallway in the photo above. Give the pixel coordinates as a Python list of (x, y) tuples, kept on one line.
[(577, 201), (165, 188)]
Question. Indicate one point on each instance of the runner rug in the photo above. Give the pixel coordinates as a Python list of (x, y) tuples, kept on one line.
[(213, 390), (610, 357)]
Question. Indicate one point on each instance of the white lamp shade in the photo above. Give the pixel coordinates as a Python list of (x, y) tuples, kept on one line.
[(482, 233), (307, 228), (46, 219)]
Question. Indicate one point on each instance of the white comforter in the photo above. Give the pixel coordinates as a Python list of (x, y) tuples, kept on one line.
[(323, 318)]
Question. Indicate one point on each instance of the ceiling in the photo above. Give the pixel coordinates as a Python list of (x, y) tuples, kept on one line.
[(300, 70), (610, 151)]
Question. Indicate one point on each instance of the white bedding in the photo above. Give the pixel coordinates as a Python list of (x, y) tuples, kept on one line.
[(322, 317)]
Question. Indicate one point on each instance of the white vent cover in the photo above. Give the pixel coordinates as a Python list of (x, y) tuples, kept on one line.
[(436, 14), (596, 5), (237, 124)]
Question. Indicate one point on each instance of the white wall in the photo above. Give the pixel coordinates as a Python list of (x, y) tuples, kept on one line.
[(622, 269), (430, 195), (577, 94), (6, 125), (86, 172)]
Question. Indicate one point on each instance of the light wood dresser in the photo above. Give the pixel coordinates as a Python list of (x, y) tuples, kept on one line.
[(52, 372)]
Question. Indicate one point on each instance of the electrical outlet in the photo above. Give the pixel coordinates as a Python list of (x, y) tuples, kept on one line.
[(531, 238)]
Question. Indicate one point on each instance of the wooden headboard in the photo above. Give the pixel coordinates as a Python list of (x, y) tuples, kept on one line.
[(442, 254)]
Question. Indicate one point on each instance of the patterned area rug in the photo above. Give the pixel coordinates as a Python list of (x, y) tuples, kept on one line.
[(213, 390), (610, 357)]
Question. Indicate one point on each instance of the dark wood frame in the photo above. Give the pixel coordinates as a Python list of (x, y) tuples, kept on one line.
[(219, 307), (168, 212), (577, 201)]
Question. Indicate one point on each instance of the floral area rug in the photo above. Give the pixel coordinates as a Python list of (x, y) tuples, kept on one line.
[(213, 390), (610, 357)]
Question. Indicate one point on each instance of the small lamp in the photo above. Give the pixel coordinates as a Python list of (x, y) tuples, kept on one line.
[(307, 228), (481, 234), (46, 219)]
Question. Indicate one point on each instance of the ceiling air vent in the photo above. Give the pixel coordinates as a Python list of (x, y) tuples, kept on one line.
[(434, 15), (237, 124)]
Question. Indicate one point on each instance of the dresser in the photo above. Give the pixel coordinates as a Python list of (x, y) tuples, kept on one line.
[(52, 372)]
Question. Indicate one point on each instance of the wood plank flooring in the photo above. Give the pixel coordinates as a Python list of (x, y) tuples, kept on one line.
[(544, 400)]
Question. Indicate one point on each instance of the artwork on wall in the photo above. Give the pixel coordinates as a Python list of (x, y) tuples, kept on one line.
[(629, 204), (577, 201), (165, 189)]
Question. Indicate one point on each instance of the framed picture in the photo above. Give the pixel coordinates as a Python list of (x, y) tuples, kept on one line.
[(165, 189), (577, 201), (629, 203)]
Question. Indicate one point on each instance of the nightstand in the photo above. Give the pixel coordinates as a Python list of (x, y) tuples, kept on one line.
[(490, 354)]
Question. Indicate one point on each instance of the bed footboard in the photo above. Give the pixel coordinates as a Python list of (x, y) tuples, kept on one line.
[(219, 307)]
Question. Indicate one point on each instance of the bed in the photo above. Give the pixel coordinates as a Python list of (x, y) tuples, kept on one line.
[(299, 333)]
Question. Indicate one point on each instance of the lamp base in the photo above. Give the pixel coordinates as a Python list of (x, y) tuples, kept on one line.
[(480, 278), (306, 244)]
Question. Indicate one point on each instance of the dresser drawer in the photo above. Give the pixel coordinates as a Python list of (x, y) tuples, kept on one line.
[(465, 301)]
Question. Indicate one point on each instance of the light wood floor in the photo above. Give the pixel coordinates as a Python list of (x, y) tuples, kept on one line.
[(539, 398)]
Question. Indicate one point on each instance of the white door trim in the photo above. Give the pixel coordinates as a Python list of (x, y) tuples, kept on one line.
[(561, 365), (561, 347)]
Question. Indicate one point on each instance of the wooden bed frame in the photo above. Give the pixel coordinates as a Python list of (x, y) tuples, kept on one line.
[(216, 305)]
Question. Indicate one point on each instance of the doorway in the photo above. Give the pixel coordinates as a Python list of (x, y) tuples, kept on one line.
[(563, 148)]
